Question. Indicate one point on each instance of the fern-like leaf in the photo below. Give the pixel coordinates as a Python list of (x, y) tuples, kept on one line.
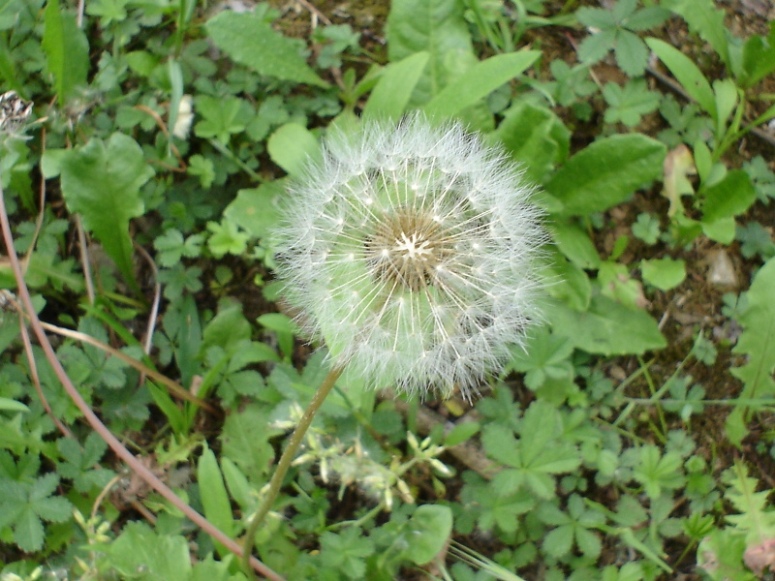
[(758, 343), (754, 518)]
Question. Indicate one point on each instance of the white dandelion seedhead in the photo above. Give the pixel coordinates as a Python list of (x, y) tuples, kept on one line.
[(410, 251)]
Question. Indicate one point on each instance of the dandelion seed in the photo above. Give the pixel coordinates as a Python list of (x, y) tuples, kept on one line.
[(430, 275)]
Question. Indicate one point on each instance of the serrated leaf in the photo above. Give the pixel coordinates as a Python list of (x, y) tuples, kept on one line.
[(24, 505), (479, 81), (140, 550), (101, 181), (629, 103), (606, 173), (706, 19), (757, 342), (390, 96), (250, 41), (67, 50), (245, 440)]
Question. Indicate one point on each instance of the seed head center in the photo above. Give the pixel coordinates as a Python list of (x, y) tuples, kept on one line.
[(412, 248), (406, 249)]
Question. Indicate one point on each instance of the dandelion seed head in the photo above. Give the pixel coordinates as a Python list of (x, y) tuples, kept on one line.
[(411, 251)]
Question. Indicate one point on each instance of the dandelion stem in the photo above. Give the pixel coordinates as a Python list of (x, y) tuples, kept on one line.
[(285, 462)]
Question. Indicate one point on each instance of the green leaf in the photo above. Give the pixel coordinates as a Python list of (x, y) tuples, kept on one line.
[(629, 103), (390, 96), (574, 242), (226, 239), (663, 273), (221, 118), (292, 147), (215, 500), (595, 47), (706, 19), (24, 504), (606, 173), (631, 53), (570, 283), (656, 472), (437, 27), (245, 441), (102, 182), (250, 41), (11, 405), (687, 73), (139, 553), (428, 533), (67, 50), (758, 57), (757, 342), (535, 137), (728, 198), (479, 81), (460, 433), (254, 210), (607, 328), (346, 553)]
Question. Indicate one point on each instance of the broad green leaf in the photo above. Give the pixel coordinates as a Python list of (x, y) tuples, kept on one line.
[(428, 534), (607, 328), (101, 181), (535, 137), (757, 342), (574, 242), (758, 57), (254, 210), (215, 500), (569, 283), (391, 94), (606, 173), (435, 26), (292, 147), (250, 41), (67, 50), (663, 273), (687, 73), (479, 81), (141, 553), (730, 197)]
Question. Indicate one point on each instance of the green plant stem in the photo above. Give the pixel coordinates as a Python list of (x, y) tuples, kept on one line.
[(285, 462)]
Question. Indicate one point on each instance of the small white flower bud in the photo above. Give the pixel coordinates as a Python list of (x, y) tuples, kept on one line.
[(411, 251)]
